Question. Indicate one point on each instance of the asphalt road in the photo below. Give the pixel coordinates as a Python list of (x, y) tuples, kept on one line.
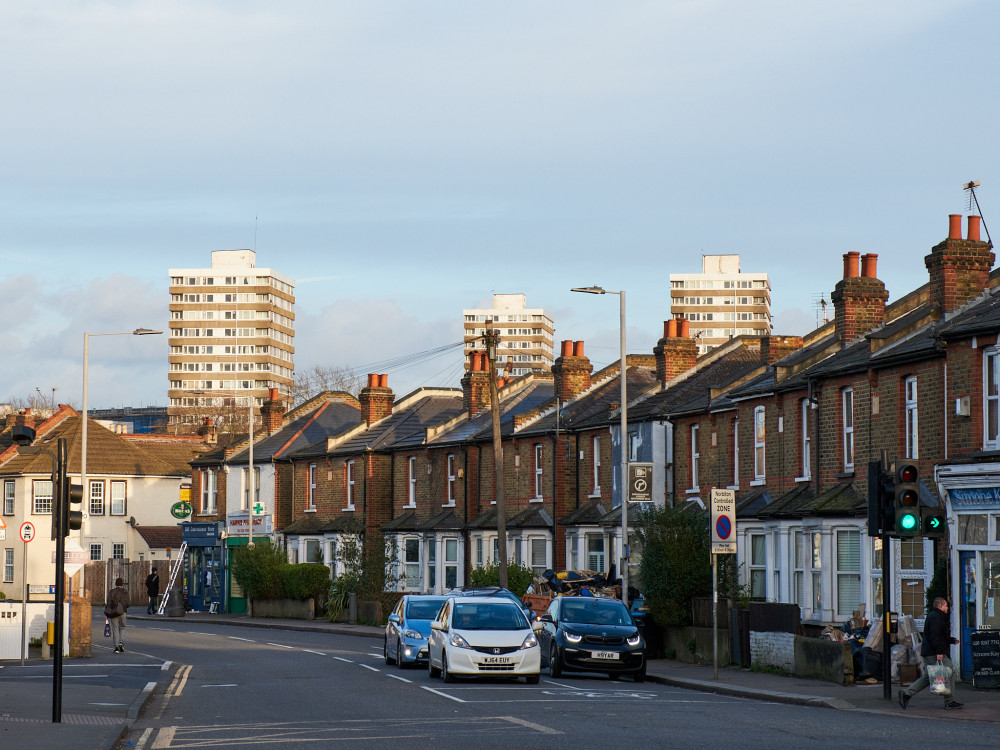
[(231, 686)]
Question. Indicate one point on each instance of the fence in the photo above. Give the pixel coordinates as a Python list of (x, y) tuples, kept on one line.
[(99, 578)]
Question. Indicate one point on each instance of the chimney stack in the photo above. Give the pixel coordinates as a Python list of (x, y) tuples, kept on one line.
[(676, 352), (272, 412), (571, 371), (858, 299), (376, 399), (476, 383), (959, 269)]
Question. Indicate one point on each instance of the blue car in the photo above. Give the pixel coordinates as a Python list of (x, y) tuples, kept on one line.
[(408, 629)]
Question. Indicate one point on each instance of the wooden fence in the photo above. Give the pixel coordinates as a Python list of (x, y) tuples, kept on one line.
[(99, 578)]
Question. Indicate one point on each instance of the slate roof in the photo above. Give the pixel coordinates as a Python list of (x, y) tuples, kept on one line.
[(159, 537), (409, 521), (590, 512), (515, 400), (534, 517), (312, 523)]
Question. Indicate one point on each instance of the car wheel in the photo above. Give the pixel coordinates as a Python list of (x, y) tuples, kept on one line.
[(445, 674), (430, 666), (385, 652), (532, 679), (555, 665), (640, 676), (614, 677), (399, 654)]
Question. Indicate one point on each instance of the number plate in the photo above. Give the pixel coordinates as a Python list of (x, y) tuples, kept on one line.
[(496, 660), (604, 654)]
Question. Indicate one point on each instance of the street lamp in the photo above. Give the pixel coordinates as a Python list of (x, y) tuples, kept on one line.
[(83, 434), (624, 431)]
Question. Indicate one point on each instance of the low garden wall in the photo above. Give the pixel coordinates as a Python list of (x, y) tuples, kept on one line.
[(294, 609)]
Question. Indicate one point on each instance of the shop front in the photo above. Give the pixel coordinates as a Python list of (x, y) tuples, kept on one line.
[(237, 535), (204, 569)]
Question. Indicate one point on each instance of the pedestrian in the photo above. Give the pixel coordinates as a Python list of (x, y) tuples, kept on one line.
[(153, 589), (934, 650), (115, 611)]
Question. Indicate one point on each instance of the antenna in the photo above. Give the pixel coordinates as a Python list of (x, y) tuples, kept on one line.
[(821, 316), (971, 188)]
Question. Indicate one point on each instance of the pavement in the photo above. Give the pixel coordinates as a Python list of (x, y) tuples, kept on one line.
[(26, 710)]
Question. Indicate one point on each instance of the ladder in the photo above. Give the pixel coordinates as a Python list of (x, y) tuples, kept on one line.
[(174, 570)]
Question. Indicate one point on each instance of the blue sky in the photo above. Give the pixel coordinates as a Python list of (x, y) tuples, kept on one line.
[(404, 160)]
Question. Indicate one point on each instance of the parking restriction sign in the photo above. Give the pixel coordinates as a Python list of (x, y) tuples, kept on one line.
[(724, 522)]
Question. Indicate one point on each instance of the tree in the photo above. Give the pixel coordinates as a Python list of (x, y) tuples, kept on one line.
[(312, 382)]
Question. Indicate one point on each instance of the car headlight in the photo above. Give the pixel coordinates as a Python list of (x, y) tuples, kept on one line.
[(633, 640), (413, 634), (573, 637), (530, 641), (458, 641)]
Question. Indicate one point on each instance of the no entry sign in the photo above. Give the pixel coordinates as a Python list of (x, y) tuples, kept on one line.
[(724, 522)]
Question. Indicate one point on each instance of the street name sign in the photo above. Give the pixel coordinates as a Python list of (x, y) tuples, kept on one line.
[(723, 522), (640, 482)]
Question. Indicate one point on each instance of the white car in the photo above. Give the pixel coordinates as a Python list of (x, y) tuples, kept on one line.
[(479, 636)]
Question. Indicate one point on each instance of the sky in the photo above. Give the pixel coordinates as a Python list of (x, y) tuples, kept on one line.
[(403, 161)]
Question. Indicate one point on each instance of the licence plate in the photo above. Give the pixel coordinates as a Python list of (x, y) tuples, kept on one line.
[(604, 654), (496, 660)]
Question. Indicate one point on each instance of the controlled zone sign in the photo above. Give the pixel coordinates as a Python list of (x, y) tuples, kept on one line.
[(640, 483), (724, 522)]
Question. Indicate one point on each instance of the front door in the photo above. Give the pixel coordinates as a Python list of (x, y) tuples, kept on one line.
[(969, 608)]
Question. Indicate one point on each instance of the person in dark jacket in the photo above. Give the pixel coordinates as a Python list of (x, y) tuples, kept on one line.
[(153, 589), (117, 603), (936, 647)]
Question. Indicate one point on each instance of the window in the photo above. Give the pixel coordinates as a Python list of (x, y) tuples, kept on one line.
[(96, 498), (736, 453), (758, 444), (597, 466), (817, 572), (450, 563), (96, 552), (41, 490), (695, 455), (431, 565), (910, 405), (595, 552), (349, 471), (876, 598), (911, 554), (118, 498), (411, 496), (479, 552), (991, 396), (806, 444), (539, 474), (912, 599), (411, 563), (246, 488), (312, 487), (847, 402), (8, 497), (633, 447), (118, 551), (798, 568), (758, 566), (209, 491), (848, 572), (536, 555), (8, 565), (313, 552), (451, 479)]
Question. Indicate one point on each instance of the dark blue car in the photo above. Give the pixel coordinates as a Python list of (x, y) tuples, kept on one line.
[(586, 634), (408, 628)]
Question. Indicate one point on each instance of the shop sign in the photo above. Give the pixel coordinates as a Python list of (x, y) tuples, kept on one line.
[(181, 509), (975, 497), (240, 525)]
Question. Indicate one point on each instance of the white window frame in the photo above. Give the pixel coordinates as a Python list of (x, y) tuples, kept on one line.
[(991, 398), (539, 472), (312, 488), (96, 499), (596, 559), (450, 463), (847, 423), (41, 498), (8, 565), (97, 547), (797, 554), (9, 495), (246, 487), (209, 491), (118, 551), (350, 483), (119, 498), (596, 485), (806, 440), (845, 574), (537, 554), (411, 575), (452, 551), (759, 444), (695, 455), (910, 417), (411, 490), (757, 568)]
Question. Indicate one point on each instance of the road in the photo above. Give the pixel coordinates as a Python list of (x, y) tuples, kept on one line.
[(229, 686)]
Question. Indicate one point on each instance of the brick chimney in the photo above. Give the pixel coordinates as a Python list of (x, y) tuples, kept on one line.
[(26, 418), (859, 298), (208, 432), (476, 383), (959, 269), (676, 352), (376, 399), (773, 348), (272, 412), (571, 371)]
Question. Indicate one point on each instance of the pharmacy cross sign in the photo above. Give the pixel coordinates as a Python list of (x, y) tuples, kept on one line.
[(258, 508)]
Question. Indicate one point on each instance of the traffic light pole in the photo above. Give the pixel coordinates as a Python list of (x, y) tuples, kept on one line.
[(886, 618), (60, 509)]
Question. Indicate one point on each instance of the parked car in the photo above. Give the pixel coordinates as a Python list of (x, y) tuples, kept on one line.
[(497, 591), (408, 628), (588, 634), (483, 636)]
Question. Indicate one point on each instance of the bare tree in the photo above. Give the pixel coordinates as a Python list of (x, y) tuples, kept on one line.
[(332, 378)]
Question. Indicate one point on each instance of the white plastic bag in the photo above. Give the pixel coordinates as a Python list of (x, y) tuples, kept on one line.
[(940, 678)]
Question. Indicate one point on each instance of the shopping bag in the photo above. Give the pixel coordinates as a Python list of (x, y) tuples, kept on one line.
[(940, 678), (107, 628)]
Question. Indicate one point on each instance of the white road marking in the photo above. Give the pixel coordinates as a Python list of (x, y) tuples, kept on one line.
[(224, 684), (279, 645), (340, 658), (165, 630), (108, 704), (318, 653), (235, 638), (167, 664), (401, 679), (443, 695), (373, 669)]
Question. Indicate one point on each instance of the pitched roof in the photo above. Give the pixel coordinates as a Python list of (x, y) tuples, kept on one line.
[(524, 395), (312, 523), (160, 537)]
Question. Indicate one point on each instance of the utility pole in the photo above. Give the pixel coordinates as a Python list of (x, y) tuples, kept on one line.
[(492, 339)]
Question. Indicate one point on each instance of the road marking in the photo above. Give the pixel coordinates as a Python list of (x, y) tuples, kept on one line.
[(318, 653), (180, 680), (443, 695), (167, 664), (530, 725), (224, 684), (108, 704), (196, 632), (141, 743), (401, 679), (165, 630), (235, 638), (373, 669), (279, 645), (341, 658), (164, 738)]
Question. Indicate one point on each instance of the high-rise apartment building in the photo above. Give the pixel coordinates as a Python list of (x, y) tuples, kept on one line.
[(525, 333), (721, 302), (232, 330)]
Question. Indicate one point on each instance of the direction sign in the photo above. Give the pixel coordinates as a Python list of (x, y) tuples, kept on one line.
[(74, 558), (640, 482), (723, 522), (27, 531)]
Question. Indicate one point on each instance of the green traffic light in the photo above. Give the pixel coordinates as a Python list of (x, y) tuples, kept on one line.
[(908, 522)]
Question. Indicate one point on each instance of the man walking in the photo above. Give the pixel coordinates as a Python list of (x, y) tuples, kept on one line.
[(935, 648), (153, 589), (115, 612)]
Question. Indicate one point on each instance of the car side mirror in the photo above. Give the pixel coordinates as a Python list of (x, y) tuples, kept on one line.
[(394, 619), (546, 617), (437, 625), (537, 627)]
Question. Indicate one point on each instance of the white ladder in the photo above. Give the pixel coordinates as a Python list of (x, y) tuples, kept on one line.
[(174, 570)]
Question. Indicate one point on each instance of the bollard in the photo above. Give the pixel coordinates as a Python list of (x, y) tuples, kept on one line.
[(175, 604), (352, 608)]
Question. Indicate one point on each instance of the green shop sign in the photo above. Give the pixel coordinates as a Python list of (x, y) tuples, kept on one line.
[(181, 510)]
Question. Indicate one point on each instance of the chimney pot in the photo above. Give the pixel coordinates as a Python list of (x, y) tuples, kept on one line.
[(567, 348), (869, 265), (954, 226), (670, 329), (372, 380), (578, 349), (851, 265), (974, 227), (383, 380), (684, 328)]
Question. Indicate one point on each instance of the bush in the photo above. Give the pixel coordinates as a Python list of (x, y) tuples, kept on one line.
[(305, 581), (257, 570), (370, 567), (939, 583), (519, 577)]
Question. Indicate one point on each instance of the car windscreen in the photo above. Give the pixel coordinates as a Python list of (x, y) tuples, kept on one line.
[(595, 612), (423, 609), (491, 616)]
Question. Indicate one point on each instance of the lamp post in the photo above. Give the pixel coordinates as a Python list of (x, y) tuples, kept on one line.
[(83, 433), (624, 431)]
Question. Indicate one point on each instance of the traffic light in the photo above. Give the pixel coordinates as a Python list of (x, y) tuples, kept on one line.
[(933, 522), (881, 495), (906, 505), (73, 508)]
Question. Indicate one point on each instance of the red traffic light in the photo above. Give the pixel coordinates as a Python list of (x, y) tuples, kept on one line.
[(907, 473)]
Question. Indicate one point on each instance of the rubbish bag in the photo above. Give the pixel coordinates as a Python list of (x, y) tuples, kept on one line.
[(940, 678)]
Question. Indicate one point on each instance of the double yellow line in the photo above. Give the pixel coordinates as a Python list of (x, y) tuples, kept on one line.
[(178, 683)]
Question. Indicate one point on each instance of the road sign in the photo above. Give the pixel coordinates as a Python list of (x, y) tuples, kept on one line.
[(74, 557), (2, 524), (723, 522), (640, 482), (27, 531)]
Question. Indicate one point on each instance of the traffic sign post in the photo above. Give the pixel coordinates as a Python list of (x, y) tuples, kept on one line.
[(723, 543), (640, 482)]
